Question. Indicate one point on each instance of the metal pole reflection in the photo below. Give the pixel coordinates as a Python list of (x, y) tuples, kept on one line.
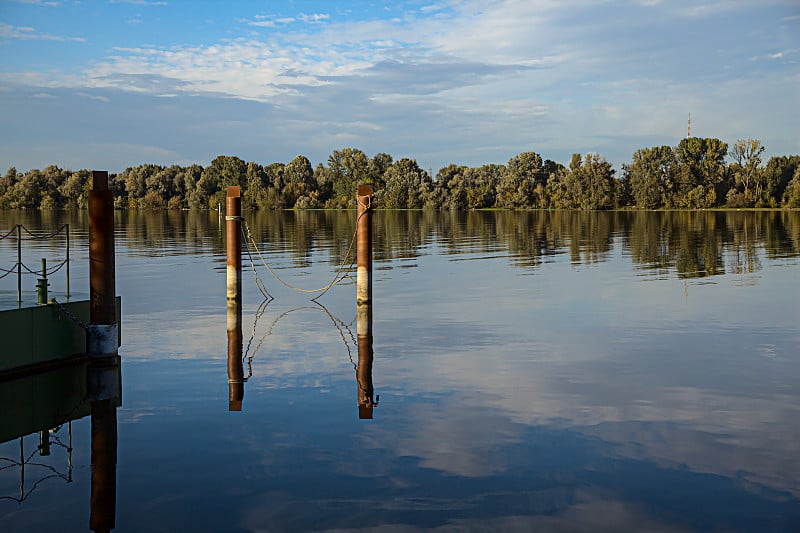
[(105, 391)]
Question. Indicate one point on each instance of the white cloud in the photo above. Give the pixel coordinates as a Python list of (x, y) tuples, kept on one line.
[(99, 98), (25, 33), (37, 2), (314, 18), (140, 2), (262, 23), (583, 77)]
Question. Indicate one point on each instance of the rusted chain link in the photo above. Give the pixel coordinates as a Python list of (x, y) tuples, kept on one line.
[(76, 320), (336, 278)]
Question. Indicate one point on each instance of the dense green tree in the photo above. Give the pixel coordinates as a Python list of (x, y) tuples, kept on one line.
[(75, 190), (378, 166), (691, 175), (6, 182), (255, 185), (224, 171), (481, 184), (791, 196), (135, 179), (162, 183), (301, 187), (299, 171), (522, 182), (449, 191), (777, 175), (588, 184), (347, 168), (746, 174), (701, 172), (28, 190), (651, 176), (186, 184), (407, 186)]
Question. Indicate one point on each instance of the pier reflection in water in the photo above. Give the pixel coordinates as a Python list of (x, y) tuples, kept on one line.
[(236, 377), (46, 404), (537, 371), (366, 391), (238, 356)]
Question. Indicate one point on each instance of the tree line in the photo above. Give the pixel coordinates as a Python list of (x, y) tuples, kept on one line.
[(692, 175)]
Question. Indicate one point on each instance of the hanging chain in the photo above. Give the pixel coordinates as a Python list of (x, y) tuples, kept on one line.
[(76, 320)]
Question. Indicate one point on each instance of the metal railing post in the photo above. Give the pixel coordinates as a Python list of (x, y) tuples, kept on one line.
[(19, 264), (67, 260)]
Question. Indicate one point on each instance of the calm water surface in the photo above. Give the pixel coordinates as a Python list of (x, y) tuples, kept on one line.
[(535, 371)]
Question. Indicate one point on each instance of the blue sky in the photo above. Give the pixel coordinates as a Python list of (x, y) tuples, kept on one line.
[(111, 84)]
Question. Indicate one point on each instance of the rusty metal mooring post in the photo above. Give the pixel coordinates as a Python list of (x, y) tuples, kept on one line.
[(103, 378), (364, 245), (233, 236), (366, 202), (102, 333)]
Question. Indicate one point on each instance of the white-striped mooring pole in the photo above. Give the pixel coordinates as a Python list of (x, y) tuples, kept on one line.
[(366, 205), (233, 237)]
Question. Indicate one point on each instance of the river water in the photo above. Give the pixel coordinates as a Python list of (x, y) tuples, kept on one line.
[(532, 371)]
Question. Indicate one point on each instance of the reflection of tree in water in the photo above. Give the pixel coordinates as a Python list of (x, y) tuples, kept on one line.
[(746, 233), (697, 243), (692, 243), (698, 246)]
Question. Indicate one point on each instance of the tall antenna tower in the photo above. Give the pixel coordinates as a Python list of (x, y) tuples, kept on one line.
[(689, 127)]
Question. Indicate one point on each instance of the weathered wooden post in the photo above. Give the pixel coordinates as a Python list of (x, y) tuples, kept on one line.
[(102, 333), (233, 235), (366, 202)]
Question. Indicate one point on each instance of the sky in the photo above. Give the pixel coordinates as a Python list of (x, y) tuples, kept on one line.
[(109, 84)]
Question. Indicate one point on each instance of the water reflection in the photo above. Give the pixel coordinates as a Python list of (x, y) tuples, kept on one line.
[(691, 243), (586, 399), (236, 377), (105, 392), (367, 401), (46, 404)]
